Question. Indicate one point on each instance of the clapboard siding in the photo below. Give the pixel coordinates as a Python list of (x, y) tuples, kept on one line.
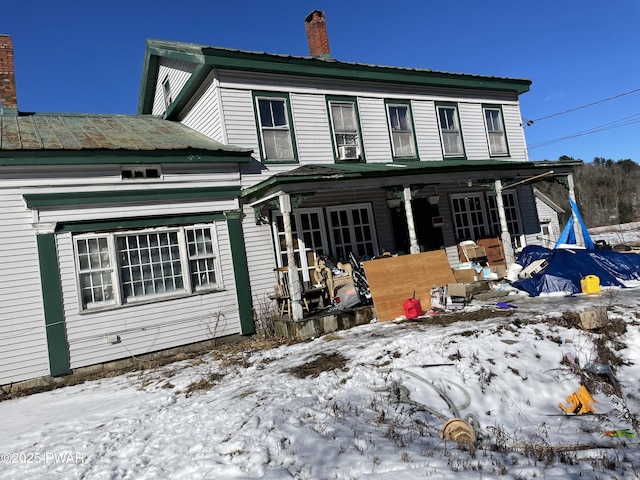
[(515, 132), (23, 345), (240, 123), (178, 73), (204, 115), (151, 326), (427, 132), (313, 135), (375, 130), (261, 258), (473, 132)]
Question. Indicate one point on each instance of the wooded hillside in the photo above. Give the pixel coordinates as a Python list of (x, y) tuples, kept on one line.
[(607, 191)]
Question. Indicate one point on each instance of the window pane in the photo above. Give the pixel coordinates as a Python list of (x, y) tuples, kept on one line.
[(202, 258)]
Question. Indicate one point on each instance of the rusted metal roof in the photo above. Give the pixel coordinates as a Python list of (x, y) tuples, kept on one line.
[(33, 132)]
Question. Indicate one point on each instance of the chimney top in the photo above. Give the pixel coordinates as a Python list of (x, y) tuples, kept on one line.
[(8, 99), (316, 27)]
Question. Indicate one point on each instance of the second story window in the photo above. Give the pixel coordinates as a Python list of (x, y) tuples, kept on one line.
[(346, 131), (166, 92), (450, 131), (276, 134), (401, 129), (495, 131)]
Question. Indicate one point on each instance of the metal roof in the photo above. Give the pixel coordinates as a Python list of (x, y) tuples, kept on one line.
[(81, 132)]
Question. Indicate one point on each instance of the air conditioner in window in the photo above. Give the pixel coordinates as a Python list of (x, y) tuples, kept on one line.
[(348, 152)]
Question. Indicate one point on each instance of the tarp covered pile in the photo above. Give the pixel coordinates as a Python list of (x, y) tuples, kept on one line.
[(567, 267)]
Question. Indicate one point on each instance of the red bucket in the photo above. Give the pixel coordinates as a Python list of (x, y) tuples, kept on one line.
[(412, 308)]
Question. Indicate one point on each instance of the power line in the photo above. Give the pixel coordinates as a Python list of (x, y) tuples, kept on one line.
[(531, 122), (623, 122)]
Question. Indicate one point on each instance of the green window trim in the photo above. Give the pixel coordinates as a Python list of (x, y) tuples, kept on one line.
[(36, 200), (345, 99), (407, 103), (443, 141), (256, 95), (24, 158), (507, 152)]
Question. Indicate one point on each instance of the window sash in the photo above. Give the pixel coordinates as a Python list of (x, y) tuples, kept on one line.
[(127, 267), (450, 131), (352, 230), (274, 128), (495, 131), (345, 124), (469, 216), (401, 132)]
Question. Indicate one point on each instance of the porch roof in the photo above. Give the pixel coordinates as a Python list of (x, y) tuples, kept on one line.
[(324, 177)]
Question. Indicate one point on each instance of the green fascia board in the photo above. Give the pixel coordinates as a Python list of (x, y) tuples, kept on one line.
[(311, 67), (132, 223), (37, 200), (119, 157), (241, 272), (195, 80), (363, 171)]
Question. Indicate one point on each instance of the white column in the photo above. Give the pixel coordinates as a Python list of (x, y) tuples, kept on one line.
[(577, 229), (295, 287), (408, 210), (504, 228)]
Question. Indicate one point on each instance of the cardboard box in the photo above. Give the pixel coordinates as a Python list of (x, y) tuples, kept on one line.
[(594, 317), (475, 252), (456, 290), (465, 275)]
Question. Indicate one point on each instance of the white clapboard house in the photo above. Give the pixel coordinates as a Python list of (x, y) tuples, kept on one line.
[(123, 235)]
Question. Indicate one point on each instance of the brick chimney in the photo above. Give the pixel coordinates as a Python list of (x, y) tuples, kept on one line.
[(8, 97), (316, 27)]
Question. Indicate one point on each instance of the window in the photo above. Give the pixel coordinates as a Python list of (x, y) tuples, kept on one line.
[(495, 131), (512, 213), (125, 267), (352, 230), (450, 133), (401, 128), (137, 172), (276, 134), (309, 239), (346, 133), (166, 92), (469, 216)]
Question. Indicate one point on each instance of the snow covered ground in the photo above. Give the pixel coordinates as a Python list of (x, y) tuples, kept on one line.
[(329, 409)]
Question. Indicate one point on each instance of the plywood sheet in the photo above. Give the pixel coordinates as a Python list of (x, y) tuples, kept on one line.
[(393, 280)]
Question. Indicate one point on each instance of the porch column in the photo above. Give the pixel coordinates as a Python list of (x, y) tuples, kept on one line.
[(577, 229), (504, 228), (295, 287), (408, 210)]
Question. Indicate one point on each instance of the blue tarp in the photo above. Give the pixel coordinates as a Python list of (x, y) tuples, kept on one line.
[(568, 235), (567, 267)]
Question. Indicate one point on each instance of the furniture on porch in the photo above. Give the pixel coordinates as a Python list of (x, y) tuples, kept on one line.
[(313, 295), (469, 251), (494, 250), (324, 275)]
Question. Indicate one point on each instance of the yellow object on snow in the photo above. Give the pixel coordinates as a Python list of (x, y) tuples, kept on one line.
[(590, 284), (581, 402)]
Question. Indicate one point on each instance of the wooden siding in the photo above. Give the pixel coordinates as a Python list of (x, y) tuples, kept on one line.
[(476, 145), (23, 344), (146, 327), (261, 258), (204, 114), (515, 132), (427, 130), (178, 73), (313, 135), (375, 130)]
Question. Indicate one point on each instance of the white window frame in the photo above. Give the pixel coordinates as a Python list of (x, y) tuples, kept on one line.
[(116, 267), (342, 248), (166, 92), (266, 129), (512, 212), (140, 172), (471, 222), (401, 138), (342, 136), (304, 240), (496, 134), (450, 131)]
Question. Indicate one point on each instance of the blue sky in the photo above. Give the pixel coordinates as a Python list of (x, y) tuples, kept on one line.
[(86, 55)]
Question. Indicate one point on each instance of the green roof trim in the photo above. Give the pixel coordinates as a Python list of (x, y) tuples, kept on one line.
[(37, 200), (356, 170), (310, 67), (120, 157), (132, 223)]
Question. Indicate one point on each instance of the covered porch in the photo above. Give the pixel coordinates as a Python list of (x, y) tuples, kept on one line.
[(356, 211)]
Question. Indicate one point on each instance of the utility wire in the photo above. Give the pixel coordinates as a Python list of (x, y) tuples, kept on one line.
[(623, 122), (531, 122)]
